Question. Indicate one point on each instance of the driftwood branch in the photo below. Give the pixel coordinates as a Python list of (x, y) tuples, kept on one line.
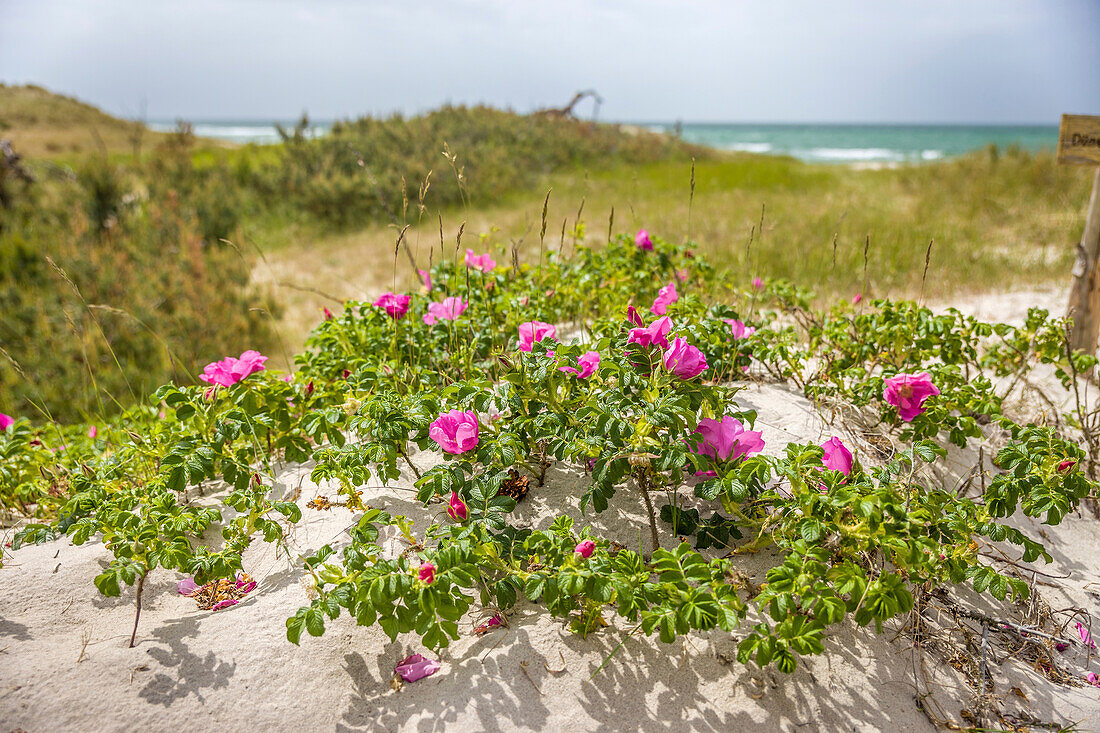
[(567, 110)]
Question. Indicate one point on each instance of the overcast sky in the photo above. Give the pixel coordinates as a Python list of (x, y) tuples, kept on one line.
[(651, 60)]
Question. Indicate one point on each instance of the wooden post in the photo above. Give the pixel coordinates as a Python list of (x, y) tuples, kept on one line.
[(1084, 297), (1079, 144)]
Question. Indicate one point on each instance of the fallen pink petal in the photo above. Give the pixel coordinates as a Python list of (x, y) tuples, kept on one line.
[(187, 587), (416, 667), (1086, 637)]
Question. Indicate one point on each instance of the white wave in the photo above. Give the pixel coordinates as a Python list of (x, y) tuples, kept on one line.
[(235, 130), (750, 147), (235, 133), (931, 154), (849, 154)]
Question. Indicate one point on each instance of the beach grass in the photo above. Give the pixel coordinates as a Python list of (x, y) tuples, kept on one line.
[(995, 222)]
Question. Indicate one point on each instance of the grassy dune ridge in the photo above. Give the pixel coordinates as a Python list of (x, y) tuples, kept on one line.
[(41, 123)]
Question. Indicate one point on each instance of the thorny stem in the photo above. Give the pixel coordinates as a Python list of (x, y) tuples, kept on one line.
[(544, 464), (137, 616), (644, 489), (1081, 416), (406, 457)]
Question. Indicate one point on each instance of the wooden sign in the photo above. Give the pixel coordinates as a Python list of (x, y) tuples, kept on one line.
[(1079, 144), (1079, 140)]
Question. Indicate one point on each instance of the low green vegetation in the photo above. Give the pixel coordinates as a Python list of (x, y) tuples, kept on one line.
[(643, 402)]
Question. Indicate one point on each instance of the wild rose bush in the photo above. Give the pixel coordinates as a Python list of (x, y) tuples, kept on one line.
[(503, 370)]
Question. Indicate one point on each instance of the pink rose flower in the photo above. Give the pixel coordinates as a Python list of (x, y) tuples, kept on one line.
[(416, 667), (455, 431), (725, 440), (394, 304), (229, 371), (585, 548), (757, 284), (682, 275), (642, 240), (837, 457), (684, 360), (92, 432), (633, 317), (456, 508), (1093, 679), (907, 392), (588, 362), (856, 298), (654, 333), (427, 573), (484, 262), (449, 310), (739, 329), (532, 332), (327, 312), (425, 279), (6, 421), (665, 297)]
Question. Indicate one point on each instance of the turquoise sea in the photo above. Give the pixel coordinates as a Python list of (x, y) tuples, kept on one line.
[(865, 143), (821, 143)]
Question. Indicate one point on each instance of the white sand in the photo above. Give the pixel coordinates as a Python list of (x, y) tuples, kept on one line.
[(234, 670)]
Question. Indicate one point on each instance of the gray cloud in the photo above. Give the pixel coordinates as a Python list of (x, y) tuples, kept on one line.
[(700, 60)]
